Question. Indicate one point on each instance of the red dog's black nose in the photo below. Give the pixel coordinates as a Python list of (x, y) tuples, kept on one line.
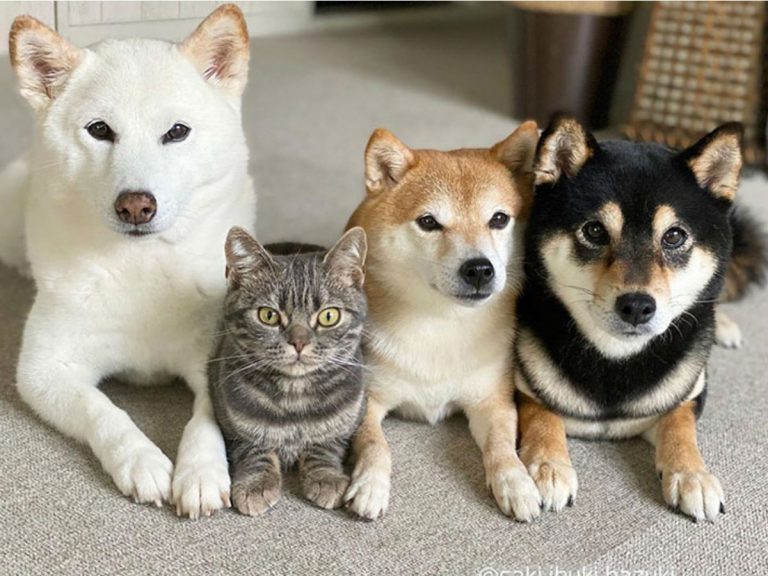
[(135, 207), (636, 308), (477, 272)]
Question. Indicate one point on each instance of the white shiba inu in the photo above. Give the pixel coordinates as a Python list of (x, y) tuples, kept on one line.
[(121, 212), (441, 278)]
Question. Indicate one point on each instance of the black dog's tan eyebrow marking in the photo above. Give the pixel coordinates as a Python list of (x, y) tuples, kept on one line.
[(613, 219), (664, 217)]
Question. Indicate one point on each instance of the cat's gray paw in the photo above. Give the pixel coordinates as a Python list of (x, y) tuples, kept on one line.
[(325, 488), (256, 495)]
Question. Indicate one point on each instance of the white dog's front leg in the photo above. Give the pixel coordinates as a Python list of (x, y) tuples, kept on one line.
[(201, 480), (65, 395)]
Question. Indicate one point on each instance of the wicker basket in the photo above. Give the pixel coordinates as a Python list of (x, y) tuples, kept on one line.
[(703, 65)]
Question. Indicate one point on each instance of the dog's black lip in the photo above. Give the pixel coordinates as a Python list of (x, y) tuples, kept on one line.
[(475, 296), (139, 233)]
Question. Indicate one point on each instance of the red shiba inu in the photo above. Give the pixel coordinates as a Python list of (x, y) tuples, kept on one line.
[(441, 277)]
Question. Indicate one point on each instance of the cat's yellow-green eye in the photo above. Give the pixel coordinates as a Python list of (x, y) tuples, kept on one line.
[(268, 316), (329, 317)]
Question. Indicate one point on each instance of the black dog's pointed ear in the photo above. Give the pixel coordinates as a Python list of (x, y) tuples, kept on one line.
[(716, 160), (564, 148)]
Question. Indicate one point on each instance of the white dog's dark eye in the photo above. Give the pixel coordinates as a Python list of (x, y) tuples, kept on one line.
[(595, 233), (100, 130), (674, 238), (499, 221), (177, 133), (428, 223)]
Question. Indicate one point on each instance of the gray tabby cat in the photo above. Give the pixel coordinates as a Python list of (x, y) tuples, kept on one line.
[(286, 380)]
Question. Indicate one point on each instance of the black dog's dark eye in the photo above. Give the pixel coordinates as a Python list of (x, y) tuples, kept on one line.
[(595, 233), (177, 133), (674, 238), (499, 221), (428, 223), (101, 131)]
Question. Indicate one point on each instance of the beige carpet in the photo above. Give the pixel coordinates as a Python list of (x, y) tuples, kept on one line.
[(310, 106)]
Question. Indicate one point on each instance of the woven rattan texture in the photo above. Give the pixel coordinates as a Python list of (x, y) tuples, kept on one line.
[(703, 65)]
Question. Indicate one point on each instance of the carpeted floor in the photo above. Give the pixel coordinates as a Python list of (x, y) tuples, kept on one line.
[(310, 106)]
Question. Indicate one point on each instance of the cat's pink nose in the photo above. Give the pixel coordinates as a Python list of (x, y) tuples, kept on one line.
[(298, 337)]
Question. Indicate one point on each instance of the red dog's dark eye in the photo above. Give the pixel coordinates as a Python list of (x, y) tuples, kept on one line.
[(428, 223), (177, 133), (674, 238), (499, 221)]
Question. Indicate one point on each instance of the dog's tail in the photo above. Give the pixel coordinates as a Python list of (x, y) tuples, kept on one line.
[(749, 260)]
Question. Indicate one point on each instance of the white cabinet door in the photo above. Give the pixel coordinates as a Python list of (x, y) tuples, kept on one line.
[(88, 22)]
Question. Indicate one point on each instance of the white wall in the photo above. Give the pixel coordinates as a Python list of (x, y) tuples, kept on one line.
[(44, 11)]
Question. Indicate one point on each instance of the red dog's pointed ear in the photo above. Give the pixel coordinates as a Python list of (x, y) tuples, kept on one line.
[(42, 59), (219, 49), (387, 160), (564, 148), (517, 150), (716, 160)]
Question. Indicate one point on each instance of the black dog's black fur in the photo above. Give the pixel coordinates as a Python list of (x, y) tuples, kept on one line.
[(639, 178)]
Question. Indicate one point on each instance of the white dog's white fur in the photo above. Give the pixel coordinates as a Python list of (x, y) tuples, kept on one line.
[(113, 304)]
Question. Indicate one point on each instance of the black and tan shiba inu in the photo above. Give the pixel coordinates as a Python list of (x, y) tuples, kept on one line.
[(628, 250)]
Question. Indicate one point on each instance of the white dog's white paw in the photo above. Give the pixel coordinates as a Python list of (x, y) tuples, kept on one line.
[(727, 332), (515, 493), (368, 492), (202, 488), (142, 472), (556, 481), (697, 494)]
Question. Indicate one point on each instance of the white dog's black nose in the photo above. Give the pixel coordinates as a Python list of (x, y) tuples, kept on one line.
[(135, 207), (636, 308), (477, 272)]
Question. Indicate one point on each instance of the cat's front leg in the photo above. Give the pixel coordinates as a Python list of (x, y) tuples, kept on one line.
[(256, 478), (321, 468)]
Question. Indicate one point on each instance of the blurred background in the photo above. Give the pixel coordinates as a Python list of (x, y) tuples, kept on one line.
[(324, 74)]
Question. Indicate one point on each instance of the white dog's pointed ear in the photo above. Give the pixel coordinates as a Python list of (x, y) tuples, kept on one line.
[(518, 149), (245, 255), (564, 148), (386, 161), (346, 260), (219, 49), (716, 160), (42, 59)]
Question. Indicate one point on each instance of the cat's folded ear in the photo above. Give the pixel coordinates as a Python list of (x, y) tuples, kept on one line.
[(245, 257), (346, 260)]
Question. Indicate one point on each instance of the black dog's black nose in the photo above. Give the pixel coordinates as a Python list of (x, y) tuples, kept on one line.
[(477, 272), (636, 308)]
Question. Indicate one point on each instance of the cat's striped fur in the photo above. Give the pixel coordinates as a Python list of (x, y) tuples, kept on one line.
[(290, 392)]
